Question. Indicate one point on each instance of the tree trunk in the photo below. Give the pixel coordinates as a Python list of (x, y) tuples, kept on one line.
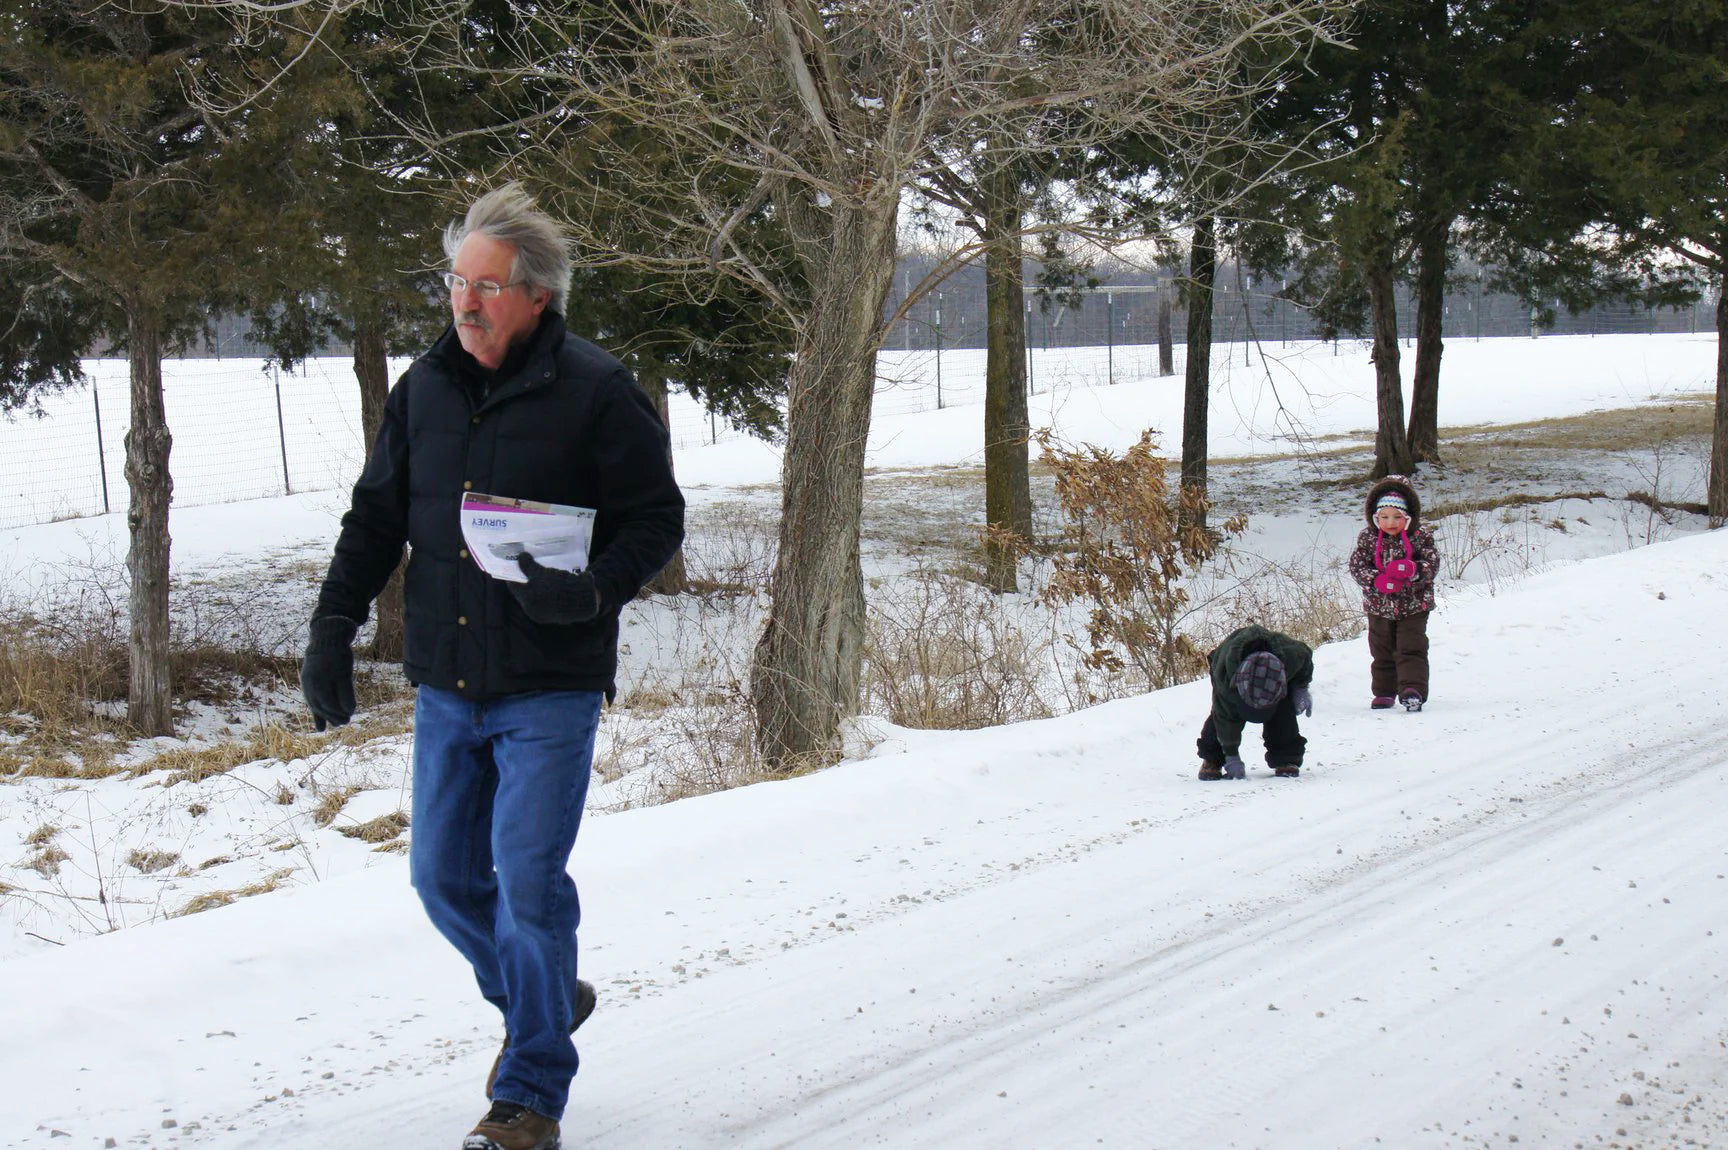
[(673, 579), (1391, 444), (372, 370), (149, 706), (1007, 425), (1432, 259), (1166, 341), (805, 677), (1717, 496), (1197, 383)]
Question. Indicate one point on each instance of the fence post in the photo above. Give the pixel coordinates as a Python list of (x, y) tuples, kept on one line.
[(1110, 336), (1031, 383), (938, 351), (101, 455), (281, 431)]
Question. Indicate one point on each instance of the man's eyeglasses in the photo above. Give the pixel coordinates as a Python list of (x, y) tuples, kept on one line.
[(485, 289)]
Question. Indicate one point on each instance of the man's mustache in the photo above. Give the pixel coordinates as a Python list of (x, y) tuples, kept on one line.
[(473, 318)]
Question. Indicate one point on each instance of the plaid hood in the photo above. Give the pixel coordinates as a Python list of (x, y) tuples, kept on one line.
[(1259, 682)]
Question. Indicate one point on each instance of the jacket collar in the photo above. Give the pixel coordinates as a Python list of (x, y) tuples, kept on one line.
[(520, 372)]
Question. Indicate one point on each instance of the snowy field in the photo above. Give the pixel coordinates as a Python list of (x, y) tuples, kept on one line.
[(1499, 920), (243, 431)]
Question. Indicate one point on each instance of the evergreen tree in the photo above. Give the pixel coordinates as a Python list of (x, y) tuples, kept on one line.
[(1641, 141), (130, 196)]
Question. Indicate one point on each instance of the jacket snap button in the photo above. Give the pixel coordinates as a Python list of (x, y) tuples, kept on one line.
[(460, 683), (467, 486), (462, 554), (461, 620)]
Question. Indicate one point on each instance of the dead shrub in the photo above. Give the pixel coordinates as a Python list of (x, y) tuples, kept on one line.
[(706, 744), (731, 549), (1307, 601), (1130, 545), (941, 653)]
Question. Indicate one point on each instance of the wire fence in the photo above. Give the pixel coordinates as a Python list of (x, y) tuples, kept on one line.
[(1129, 315), (243, 431), (239, 432)]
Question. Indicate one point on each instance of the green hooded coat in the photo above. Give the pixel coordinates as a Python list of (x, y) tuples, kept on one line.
[(1228, 713)]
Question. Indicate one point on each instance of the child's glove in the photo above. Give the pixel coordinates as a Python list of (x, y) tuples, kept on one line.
[(1395, 576), (1302, 701), (1234, 768)]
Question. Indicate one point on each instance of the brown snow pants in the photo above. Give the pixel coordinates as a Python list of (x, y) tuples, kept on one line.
[(1400, 651)]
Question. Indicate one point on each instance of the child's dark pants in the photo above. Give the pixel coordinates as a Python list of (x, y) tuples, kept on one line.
[(1284, 741), (1400, 651)]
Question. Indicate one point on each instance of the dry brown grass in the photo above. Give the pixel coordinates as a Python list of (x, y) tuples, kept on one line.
[(379, 830), (331, 800), (195, 764), (216, 898), (1619, 429), (149, 861), (45, 855)]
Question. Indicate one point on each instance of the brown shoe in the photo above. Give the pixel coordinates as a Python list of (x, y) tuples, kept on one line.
[(1210, 772), (583, 1007), (508, 1126)]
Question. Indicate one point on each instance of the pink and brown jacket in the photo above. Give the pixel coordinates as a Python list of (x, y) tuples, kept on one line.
[(1375, 549)]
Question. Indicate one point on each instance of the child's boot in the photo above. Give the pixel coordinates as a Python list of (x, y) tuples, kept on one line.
[(1381, 703), (1210, 772), (1411, 699)]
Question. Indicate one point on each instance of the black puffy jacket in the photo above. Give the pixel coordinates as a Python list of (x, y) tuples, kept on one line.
[(563, 422)]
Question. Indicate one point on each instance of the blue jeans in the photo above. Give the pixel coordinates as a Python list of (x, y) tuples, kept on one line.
[(499, 788)]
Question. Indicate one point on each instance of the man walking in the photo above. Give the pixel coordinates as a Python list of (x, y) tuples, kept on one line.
[(509, 676)]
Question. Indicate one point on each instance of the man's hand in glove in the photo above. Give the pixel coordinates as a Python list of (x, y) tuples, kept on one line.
[(1234, 768), (327, 671), (554, 596), (1302, 701)]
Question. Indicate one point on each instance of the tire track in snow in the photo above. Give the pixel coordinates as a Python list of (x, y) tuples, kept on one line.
[(1391, 888)]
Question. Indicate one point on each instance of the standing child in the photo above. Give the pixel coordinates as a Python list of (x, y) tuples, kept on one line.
[(1395, 562), (1258, 676)]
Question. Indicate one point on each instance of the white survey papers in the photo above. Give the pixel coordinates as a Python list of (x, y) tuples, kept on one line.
[(498, 529)]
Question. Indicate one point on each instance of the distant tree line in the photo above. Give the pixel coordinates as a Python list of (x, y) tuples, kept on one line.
[(741, 178)]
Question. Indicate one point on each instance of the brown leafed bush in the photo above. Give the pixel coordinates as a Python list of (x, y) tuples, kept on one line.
[(1129, 545)]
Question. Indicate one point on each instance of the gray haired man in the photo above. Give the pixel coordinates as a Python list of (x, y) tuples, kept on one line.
[(510, 676)]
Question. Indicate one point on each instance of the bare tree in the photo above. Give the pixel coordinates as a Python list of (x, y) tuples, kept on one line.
[(823, 118)]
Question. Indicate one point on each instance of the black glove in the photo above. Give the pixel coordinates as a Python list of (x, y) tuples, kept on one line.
[(327, 671), (554, 596)]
